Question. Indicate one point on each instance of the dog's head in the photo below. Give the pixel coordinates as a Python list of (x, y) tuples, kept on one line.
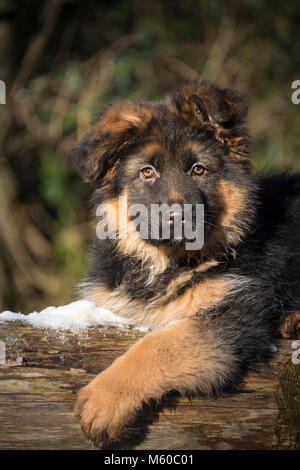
[(190, 149)]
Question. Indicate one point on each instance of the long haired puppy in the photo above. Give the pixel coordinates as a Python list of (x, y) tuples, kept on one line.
[(213, 310)]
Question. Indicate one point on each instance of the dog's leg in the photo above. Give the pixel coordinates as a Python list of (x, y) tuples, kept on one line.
[(177, 357), (290, 326)]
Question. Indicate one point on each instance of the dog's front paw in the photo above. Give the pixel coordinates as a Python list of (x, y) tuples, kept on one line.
[(104, 413), (290, 327)]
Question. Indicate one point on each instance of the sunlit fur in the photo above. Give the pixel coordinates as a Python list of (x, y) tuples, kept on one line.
[(214, 312)]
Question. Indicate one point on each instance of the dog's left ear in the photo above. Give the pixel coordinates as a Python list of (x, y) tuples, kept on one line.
[(205, 106), (116, 131)]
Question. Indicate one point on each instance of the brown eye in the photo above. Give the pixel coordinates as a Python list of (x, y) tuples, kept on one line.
[(198, 170), (147, 172)]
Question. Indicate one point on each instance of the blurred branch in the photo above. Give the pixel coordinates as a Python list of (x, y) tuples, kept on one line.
[(98, 72), (166, 68), (219, 51), (36, 46), (51, 11), (11, 236), (24, 272)]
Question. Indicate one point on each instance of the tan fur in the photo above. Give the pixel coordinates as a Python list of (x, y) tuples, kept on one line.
[(114, 130), (175, 357), (110, 175), (159, 257), (198, 103), (114, 300), (227, 234), (234, 198), (132, 245), (162, 310), (205, 266), (151, 148), (120, 117), (114, 203), (234, 143), (193, 146), (117, 301), (180, 280), (290, 326), (193, 301), (138, 161), (174, 197)]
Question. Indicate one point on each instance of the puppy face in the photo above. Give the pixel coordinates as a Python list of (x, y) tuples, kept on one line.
[(191, 149), (175, 169)]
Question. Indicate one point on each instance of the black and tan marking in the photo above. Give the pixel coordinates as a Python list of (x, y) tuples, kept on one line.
[(215, 311)]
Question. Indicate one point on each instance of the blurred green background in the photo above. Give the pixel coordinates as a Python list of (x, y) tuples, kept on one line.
[(63, 60)]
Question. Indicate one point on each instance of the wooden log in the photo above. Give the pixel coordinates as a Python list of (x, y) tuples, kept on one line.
[(44, 370)]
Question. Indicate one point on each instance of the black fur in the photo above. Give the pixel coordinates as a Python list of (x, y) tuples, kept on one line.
[(265, 261)]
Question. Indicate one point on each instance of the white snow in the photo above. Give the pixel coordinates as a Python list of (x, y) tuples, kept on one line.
[(74, 317)]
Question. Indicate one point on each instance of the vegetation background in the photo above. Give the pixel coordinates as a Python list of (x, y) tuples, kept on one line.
[(63, 60)]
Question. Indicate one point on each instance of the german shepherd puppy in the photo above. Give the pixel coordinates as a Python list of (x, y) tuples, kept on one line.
[(214, 312)]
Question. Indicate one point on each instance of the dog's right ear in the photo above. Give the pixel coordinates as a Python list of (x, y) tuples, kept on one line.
[(203, 105), (118, 128)]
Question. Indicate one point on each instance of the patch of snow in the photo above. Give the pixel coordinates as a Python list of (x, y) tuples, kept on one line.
[(143, 329), (74, 317)]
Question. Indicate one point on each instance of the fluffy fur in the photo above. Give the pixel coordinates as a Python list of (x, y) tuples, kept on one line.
[(215, 313)]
